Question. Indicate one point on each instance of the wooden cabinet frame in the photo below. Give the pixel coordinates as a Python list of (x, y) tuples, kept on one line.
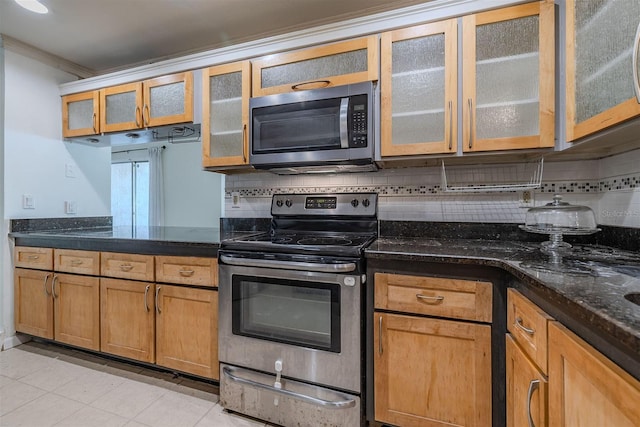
[(93, 96), (136, 88)]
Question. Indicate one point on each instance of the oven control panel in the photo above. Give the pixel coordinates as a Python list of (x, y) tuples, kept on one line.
[(358, 204)]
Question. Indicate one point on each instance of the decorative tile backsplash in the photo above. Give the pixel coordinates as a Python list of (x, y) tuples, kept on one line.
[(610, 186)]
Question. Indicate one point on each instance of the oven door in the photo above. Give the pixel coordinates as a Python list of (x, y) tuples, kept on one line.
[(308, 322)]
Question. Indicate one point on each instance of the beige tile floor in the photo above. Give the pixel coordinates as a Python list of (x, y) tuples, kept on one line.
[(42, 384)]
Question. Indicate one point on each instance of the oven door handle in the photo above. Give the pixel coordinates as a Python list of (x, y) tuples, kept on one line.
[(289, 265), (339, 404)]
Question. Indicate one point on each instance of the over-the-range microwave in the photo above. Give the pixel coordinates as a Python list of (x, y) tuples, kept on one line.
[(314, 131)]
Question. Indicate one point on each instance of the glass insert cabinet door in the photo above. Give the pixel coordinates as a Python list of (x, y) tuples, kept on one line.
[(80, 114), (419, 90), (225, 111), (168, 100), (602, 87), (121, 107), (508, 78)]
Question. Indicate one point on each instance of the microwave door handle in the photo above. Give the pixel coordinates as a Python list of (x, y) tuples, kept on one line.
[(344, 128)]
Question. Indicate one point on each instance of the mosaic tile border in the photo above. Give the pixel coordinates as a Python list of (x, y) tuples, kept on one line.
[(621, 183)]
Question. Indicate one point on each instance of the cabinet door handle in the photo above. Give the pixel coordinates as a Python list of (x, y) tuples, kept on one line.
[(435, 300), (157, 305), (380, 336), (635, 64), (186, 273), (34, 257), (244, 143), (137, 116), (146, 117), (533, 386), (450, 125), (315, 84), (470, 103), (53, 286), (524, 328), (76, 262), (44, 284), (146, 292), (95, 128), (126, 267)]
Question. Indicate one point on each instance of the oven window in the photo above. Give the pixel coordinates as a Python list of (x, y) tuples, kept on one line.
[(306, 314)]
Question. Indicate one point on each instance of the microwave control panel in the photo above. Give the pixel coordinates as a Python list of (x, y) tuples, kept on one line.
[(359, 123)]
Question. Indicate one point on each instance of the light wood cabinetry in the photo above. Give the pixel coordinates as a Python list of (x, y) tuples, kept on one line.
[(601, 75), (431, 371), (127, 326), (526, 351), (419, 90), (187, 270), (225, 111), (585, 388), (154, 102), (127, 266), (48, 304), (33, 305), (508, 78), (81, 114), (335, 64), (187, 330)]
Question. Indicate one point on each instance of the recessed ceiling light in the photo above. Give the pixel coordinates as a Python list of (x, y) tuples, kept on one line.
[(33, 6)]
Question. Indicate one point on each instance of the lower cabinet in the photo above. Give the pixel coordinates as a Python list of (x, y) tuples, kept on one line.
[(585, 388), (187, 330), (431, 372), (63, 307), (127, 324)]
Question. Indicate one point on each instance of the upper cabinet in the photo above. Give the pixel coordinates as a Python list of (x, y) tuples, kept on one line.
[(80, 114), (419, 90), (155, 102), (508, 78), (334, 64), (603, 66), (225, 111)]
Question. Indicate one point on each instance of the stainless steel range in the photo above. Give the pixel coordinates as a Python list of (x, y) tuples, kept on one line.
[(290, 319)]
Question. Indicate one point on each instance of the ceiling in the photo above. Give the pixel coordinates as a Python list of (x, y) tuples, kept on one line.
[(107, 35)]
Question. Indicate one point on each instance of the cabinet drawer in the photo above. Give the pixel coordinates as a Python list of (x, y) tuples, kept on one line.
[(528, 324), (187, 270), (81, 262), (460, 299), (127, 266), (39, 258)]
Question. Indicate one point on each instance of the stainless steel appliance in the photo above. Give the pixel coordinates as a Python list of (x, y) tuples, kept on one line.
[(321, 130), (290, 319)]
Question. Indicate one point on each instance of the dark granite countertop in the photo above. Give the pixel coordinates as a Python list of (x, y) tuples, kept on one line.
[(584, 290), (184, 241)]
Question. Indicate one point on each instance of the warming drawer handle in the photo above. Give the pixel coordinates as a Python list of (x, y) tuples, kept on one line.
[(340, 404), (520, 325), (289, 265)]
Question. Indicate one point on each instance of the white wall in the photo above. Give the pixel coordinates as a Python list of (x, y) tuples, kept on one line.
[(35, 159), (4, 261), (193, 197)]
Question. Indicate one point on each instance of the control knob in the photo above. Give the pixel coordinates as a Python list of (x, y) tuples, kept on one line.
[(366, 203), (279, 203), (288, 203), (354, 203)]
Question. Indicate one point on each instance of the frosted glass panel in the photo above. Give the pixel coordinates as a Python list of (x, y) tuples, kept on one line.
[(81, 114), (417, 96), (225, 120), (603, 42), (167, 100), (121, 107), (507, 78), (316, 68)]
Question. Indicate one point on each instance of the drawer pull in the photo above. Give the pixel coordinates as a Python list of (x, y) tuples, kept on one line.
[(157, 304), (427, 298), (126, 267), (46, 277), (524, 328), (146, 292), (53, 287), (34, 257), (186, 273), (380, 336), (533, 386), (76, 262)]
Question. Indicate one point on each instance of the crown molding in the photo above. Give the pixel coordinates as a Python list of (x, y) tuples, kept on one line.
[(27, 50)]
